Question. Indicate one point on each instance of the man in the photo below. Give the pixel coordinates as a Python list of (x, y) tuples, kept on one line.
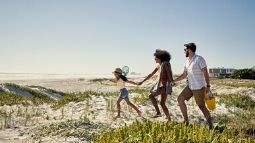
[(198, 83)]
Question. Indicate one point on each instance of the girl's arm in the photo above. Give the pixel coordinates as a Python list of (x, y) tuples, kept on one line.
[(112, 80), (128, 81), (150, 75)]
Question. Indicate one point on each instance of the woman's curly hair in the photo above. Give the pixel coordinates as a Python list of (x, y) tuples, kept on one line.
[(163, 55)]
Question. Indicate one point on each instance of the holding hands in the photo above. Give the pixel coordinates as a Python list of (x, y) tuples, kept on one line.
[(173, 83)]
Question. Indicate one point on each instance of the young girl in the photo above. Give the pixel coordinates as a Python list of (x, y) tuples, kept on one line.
[(120, 82)]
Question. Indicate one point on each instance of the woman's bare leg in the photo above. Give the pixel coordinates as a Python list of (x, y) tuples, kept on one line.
[(155, 104), (164, 107)]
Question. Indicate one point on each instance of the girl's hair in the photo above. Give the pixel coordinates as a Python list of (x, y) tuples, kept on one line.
[(123, 77), (163, 55)]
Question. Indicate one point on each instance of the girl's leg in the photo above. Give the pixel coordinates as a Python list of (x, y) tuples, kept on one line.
[(133, 106), (163, 105), (118, 106), (155, 104)]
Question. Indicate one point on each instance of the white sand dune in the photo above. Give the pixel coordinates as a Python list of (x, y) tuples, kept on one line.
[(26, 91), (98, 109)]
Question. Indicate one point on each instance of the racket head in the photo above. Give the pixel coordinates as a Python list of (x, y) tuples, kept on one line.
[(125, 70)]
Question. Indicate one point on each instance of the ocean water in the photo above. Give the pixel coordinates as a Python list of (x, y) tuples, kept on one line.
[(27, 76)]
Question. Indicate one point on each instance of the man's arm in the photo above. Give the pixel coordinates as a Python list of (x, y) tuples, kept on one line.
[(206, 75), (181, 77)]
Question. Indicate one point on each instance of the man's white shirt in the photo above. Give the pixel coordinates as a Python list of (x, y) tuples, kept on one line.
[(193, 67)]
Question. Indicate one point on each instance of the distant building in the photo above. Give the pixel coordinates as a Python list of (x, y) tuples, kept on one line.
[(220, 72)]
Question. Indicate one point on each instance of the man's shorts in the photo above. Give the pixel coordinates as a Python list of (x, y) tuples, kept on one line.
[(199, 95), (123, 93)]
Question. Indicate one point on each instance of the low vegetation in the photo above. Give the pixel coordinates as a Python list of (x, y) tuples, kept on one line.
[(237, 126), (233, 82), (244, 74), (12, 99), (82, 129), (143, 95), (162, 132), (237, 100), (242, 118), (36, 97)]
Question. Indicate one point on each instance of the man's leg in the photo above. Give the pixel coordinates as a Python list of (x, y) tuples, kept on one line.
[(207, 115), (199, 96), (185, 95)]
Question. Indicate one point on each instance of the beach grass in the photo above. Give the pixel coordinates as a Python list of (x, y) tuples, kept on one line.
[(142, 95), (82, 128), (13, 99), (237, 100), (236, 126), (161, 132), (233, 82), (80, 96)]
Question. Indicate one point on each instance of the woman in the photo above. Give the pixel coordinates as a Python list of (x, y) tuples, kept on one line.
[(163, 86)]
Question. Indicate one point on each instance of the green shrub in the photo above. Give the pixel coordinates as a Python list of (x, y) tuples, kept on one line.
[(168, 132), (244, 74), (237, 100)]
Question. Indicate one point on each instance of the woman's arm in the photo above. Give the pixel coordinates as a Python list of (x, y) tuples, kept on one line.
[(150, 75), (168, 69)]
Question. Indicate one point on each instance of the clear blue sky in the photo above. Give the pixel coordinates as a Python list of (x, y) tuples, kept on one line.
[(95, 36)]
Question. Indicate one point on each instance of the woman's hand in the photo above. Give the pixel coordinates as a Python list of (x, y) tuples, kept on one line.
[(173, 83)]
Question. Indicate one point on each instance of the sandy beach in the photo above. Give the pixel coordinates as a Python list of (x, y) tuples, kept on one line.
[(98, 109)]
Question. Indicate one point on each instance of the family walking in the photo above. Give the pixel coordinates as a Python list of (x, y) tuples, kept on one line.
[(195, 71)]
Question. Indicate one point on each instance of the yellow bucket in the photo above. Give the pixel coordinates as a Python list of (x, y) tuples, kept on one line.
[(211, 103)]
